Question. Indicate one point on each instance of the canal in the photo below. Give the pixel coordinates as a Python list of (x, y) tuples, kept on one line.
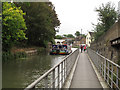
[(22, 72)]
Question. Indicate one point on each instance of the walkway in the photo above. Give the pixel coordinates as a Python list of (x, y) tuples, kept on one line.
[(84, 76)]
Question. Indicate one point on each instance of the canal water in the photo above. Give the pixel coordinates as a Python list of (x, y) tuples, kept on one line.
[(22, 72)]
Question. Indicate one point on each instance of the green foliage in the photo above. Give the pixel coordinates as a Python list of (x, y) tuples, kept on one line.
[(0, 16), (107, 17), (77, 33), (70, 36), (20, 55), (53, 41), (12, 56), (58, 37), (83, 35), (7, 56), (98, 31), (64, 35), (13, 25), (41, 20)]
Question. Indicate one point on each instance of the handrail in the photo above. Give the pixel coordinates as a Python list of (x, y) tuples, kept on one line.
[(59, 71), (109, 70), (106, 59)]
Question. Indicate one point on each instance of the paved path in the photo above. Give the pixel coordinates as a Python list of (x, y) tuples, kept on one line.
[(84, 76)]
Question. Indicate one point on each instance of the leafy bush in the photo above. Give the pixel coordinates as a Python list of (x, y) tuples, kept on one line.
[(6, 56)]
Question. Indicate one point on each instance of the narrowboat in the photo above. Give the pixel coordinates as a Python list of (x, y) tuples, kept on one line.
[(60, 50)]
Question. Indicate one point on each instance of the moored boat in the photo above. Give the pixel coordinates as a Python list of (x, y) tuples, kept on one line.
[(60, 50)]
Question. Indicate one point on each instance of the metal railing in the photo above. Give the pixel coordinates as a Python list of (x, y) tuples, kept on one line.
[(109, 70), (56, 76)]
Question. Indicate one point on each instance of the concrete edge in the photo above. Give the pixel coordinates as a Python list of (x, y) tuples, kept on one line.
[(70, 77), (101, 80)]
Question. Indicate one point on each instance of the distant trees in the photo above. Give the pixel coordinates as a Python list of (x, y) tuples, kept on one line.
[(70, 36), (107, 17), (77, 33), (64, 36), (83, 35), (58, 37), (13, 25)]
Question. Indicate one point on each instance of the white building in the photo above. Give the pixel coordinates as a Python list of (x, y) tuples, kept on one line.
[(59, 41), (89, 38)]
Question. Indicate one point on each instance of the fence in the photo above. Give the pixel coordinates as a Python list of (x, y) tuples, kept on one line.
[(56, 76), (109, 70)]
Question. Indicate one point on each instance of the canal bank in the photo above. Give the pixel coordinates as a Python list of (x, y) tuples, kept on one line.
[(19, 52)]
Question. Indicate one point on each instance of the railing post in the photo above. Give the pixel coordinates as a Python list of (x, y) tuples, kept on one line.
[(104, 69), (108, 72), (117, 71), (46, 82), (58, 75), (61, 74), (66, 67), (97, 62), (100, 66), (53, 79), (112, 77), (64, 71)]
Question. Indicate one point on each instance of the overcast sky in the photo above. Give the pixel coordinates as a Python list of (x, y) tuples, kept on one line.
[(75, 15)]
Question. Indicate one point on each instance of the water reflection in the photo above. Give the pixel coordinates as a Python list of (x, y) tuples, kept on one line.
[(20, 73)]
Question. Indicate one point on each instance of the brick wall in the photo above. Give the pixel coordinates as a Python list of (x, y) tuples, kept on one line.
[(103, 45), (119, 28)]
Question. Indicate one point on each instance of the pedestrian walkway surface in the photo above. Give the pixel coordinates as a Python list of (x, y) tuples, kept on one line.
[(84, 76)]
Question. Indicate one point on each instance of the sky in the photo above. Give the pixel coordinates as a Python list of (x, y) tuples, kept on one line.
[(75, 15)]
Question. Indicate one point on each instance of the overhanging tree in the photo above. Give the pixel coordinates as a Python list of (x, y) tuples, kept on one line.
[(107, 17), (41, 20), (13, 25)]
